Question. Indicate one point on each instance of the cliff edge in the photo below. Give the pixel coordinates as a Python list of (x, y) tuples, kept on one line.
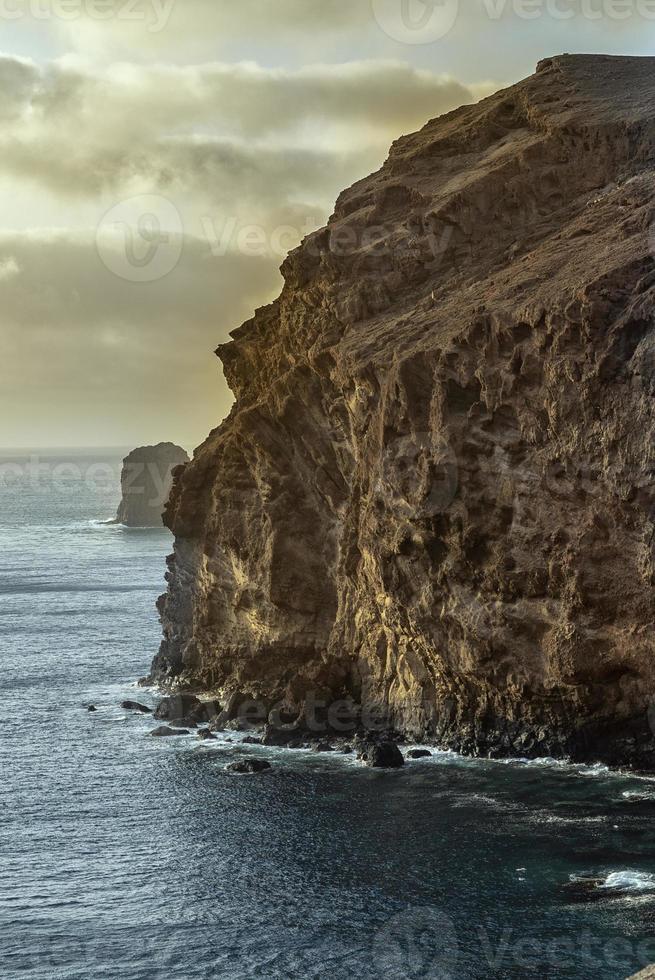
[(434, 494)]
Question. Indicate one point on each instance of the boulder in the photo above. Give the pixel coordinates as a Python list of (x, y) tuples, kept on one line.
[(383, 755), (419, 754), (186, 709), (135, 706), (248, 766), (279, 736), (206, 736), (165, 732), (322, 747)]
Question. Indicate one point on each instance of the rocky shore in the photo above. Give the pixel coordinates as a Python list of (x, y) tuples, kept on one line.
[(433, 498)]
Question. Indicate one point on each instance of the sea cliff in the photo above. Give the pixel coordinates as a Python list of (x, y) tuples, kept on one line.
[(434, 493)]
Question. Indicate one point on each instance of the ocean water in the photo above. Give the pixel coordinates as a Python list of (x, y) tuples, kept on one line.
[(128, 857)]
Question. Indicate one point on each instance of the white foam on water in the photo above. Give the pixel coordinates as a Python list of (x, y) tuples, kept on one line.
[(637, 795), (629, 881)]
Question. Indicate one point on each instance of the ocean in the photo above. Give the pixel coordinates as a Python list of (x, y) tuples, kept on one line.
[(135, 858)]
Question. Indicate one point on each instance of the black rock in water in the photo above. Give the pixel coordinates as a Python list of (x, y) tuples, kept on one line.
[(249, 766), (165, 732), (383, 755), (206, 735), (135, 706), (92, 707), (146, 482), (419, 754), (186, 709)]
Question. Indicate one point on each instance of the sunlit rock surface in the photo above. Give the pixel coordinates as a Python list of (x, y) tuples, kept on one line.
[(435, 490)]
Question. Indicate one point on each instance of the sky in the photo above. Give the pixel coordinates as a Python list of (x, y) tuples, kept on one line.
[(158, 158)]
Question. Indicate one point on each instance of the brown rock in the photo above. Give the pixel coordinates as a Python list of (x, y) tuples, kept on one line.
[(434, 493)]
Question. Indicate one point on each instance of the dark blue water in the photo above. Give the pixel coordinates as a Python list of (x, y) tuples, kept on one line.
[(129, 857)]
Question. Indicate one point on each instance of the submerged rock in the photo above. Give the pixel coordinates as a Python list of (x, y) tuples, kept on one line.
[(146, 481), (91, 708), (419, 754), (248, 766), (435, 486), (165, 732)]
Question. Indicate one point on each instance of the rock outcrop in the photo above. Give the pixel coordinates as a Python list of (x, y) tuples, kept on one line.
[(146, 481), (434, 494)]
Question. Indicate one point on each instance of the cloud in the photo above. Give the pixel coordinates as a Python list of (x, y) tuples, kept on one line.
[(269, 146), (100, 349), (164, 125), (227, 146)]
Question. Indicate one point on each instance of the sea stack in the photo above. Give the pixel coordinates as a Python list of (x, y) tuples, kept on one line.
[(434, 495), (146, 481)]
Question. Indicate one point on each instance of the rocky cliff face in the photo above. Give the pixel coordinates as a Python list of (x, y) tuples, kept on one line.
[(146, 481), (435, 493)]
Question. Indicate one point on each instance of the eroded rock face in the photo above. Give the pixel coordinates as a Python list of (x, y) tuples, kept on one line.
[(146, 481), (434, 493)]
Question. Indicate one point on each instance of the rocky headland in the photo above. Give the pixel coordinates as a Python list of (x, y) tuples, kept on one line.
[(146, 481), (433, 499)]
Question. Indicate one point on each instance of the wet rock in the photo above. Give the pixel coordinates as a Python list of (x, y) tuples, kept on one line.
[(187, 710), (237, 725), (249, 766), (322, 747), (205, 735), (251, 740), (135, 706), (383, 755), (165, 732), (278, 736), (419, 754), (91, 708)]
